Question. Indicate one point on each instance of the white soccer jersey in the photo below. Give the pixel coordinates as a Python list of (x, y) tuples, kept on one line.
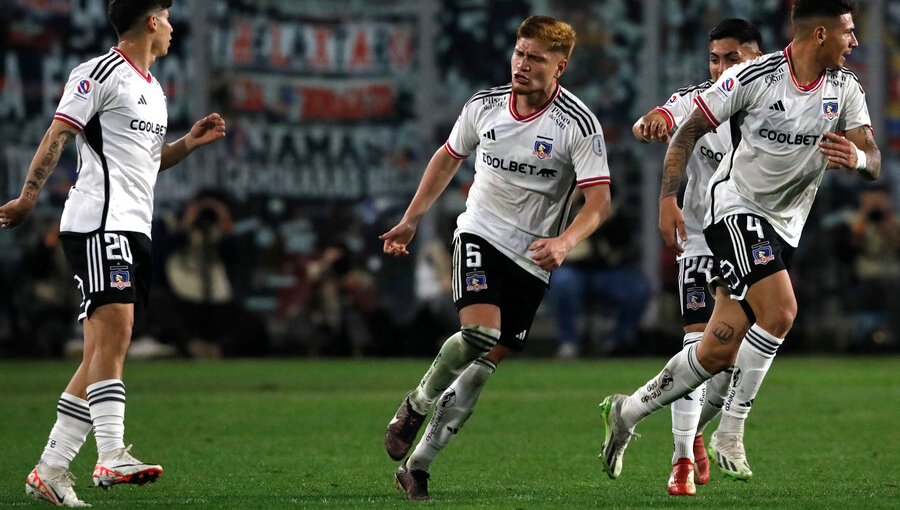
[(526, 168), (776, 167), (122, 117), (708, 153)]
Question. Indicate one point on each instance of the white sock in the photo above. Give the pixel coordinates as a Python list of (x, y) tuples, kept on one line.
[(753, 361), (453, 409), (685, 413), (714, 398), (681, 374), (457, 353), (73, 423), (107, 402)]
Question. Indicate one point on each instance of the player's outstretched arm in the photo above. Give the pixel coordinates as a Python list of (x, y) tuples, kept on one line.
[(206, 130), (550, 253), (45, 160), (652, 127), (438, 173), (855, 151), (671, 219)]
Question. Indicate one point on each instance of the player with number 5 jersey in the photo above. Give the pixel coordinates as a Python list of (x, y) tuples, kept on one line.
[(533, 143), (115, 110)]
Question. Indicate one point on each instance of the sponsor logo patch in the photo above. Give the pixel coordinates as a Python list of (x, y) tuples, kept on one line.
[(597, 145)]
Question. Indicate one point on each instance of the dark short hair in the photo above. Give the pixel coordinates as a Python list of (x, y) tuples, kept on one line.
[(827, 8), (123, 14), (736, 28)]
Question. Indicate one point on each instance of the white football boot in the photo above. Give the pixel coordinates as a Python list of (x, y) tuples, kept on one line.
[(118, 466), (54, 485), (728, 452)]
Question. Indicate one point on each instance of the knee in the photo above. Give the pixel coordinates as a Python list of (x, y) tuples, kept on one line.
[(778, 320), (717, 359)]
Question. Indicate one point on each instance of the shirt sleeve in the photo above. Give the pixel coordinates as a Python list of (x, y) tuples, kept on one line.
[(589, 159), (463, 138), (676, 109), (82, 98), (855, 113), (725, 98)]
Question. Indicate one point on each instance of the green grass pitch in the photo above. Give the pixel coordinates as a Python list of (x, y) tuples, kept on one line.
[(824, 433)]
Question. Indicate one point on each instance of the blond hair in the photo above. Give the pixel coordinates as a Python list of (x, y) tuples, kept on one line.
[(555, 34)]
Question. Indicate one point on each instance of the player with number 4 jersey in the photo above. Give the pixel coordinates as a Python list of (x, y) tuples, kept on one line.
[(533, 143), (793, 115), (115, 110), (731, 42)]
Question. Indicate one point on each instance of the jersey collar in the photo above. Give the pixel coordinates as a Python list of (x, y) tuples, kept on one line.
[(148, 77), (790, 62), (528, 118)]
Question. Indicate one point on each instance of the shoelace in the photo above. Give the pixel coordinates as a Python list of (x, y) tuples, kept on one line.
[(734, 446)]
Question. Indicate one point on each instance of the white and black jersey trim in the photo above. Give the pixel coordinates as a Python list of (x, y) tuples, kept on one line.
[(690, 88), (754, 71), (106, 66), (582, 116), (93, 133), (502, 90)]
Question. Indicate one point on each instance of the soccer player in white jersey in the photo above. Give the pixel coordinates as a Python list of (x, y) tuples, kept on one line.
[(731, 42), (786, 109), (116, 112), (534, 142)]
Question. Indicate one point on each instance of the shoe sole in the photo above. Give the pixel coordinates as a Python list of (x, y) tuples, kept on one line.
[(735, 475), (40, 496), (140, 478), (605, 410)]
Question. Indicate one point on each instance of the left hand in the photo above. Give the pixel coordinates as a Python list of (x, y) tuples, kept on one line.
[(206, 130), (549, 253), (841, 153)]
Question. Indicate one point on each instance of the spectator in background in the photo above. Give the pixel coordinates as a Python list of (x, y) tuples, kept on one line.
[(875, 238), (197, 271), (600, 276)]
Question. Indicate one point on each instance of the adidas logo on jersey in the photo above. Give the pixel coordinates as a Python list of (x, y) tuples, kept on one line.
[(489, 135), (142, 100), (778, 106)]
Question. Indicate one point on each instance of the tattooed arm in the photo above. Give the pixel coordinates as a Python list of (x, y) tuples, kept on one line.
[(671, 219), (43, 164)]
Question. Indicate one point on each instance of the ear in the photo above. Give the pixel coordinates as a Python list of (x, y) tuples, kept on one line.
[(152, 23), (820, 33), (561, 68)]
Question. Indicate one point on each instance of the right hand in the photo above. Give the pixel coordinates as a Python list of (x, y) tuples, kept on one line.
[(652, 128), (14, 212), (671, 222), (397, 239)]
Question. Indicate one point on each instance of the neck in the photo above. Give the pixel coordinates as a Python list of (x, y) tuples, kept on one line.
[(807, 68), (530, 103), (140, 52)]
